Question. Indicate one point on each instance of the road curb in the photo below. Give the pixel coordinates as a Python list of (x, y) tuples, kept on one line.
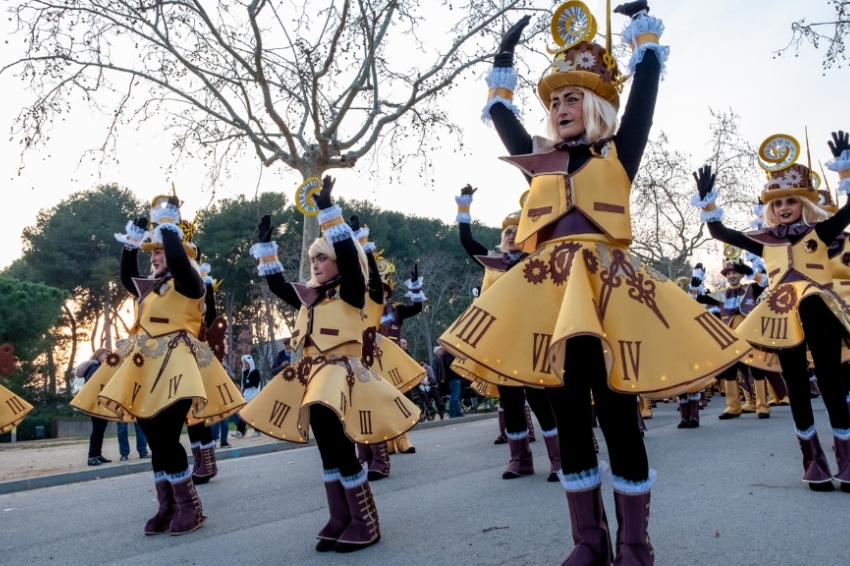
[(112, 471)]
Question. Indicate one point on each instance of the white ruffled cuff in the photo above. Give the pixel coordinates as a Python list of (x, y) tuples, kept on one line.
[(329, 213), (133, 237), (369, 247), (270, 268), (168, 211), (696, 202), (715, 215), (179, 476), (361, 233), (355, 480), (641, 25), (331, 475), (502, 77), (844, 187), (698, 290), (585, 480), (699, 273), (157, 233), (209, 280), (263, 249), (463, 200), (840, 163), (806, 434), (415, 293), (842, 433), (485, 112), (622, 485), (338, 233), (517, 435), (463, 217)]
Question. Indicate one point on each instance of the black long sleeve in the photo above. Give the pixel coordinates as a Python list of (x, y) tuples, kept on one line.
[(636, 123), (376, 286), (129, 268), (831, 228), (511, 131), (283, 290), (472, 247), (726, 235), (707, 300), (352, 289), (407, 311), (209, 300), (187, 281)]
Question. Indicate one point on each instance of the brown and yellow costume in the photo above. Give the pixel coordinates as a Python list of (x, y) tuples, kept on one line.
[(13, 409)]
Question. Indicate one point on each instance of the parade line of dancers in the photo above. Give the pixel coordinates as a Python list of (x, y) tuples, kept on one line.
[(569, 322)]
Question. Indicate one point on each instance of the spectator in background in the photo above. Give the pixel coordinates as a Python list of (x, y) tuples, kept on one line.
[(283, 358), (98, 425), (402, 343), (443, 369), (250, 387), (439, 374), (124, 441), (428, 388)]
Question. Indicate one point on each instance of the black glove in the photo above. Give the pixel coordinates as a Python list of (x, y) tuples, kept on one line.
[(265, 229), (840, 142), (354, 222), (323, 199), (141, 222), (696, 282), (414, 275), (468, 190), (513, 35), (174, 200), (705, 181), (631, 8), (742, 268)]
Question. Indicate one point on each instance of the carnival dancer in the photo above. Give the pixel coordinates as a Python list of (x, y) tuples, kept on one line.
[(802, 309), (328, 386), (513, 394), (382, 353), (13, 409), (589, 307), (158, 375), (735, 302)]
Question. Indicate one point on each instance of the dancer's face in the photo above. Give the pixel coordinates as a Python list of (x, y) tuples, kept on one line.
[(324, 268), (787, 210), (567, 112), (734, 278), (509, 240), (158, 264)]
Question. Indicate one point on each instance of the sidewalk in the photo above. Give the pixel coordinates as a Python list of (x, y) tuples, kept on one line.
[(45, 463)]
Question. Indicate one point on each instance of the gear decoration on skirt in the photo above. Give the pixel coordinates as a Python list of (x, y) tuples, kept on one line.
[(590, 261), (113, 359), (305, 196), (138, 359), (535, 271), (289, 373), (783, 299)]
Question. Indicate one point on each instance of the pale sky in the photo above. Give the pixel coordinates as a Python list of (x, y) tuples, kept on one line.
[(721, 56)]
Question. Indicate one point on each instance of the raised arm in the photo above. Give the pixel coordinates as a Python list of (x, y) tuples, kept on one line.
[(132, 240), (711, 214), (501, 83), (414, 293), (266, 252), (645, 66), (209, 301), (464, 223), (830, 229), (187, 281), (352, 289)]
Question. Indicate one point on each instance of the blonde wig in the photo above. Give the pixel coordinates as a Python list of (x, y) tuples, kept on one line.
[(600, 116), (812, 214), (321, 246)]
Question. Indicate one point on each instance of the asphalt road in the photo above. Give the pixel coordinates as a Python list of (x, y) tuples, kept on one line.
[(728, 493)]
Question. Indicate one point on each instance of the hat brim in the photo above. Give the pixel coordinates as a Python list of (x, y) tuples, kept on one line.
[(591, 81), (810, 194), (151, 246)]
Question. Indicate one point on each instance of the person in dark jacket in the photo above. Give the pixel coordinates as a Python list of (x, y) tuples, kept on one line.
[(250, 386), (98, 425)]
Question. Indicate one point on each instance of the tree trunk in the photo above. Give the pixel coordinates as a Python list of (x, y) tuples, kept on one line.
[(107, 318), (310, 233), (51, 368), (69, 370)]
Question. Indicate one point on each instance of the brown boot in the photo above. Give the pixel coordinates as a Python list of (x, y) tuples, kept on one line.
[(554, 448), (190, 513), (159, 523), (760, 390), (589, 524), (338, 509), (842, 459), (196, 456), (684, 412), (531, 435), (380, 466), (693, 402), (815, 467), (733, 400), (207, 468), (363, 529), (501, 439), (364, 454), (632, 504), (521, 462)]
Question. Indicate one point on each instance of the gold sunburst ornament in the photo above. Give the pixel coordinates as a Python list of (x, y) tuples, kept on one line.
[(305, 196), (778, 152), (731, 252), (572, 23)]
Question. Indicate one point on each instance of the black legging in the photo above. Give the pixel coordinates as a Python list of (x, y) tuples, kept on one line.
[(163, 433), (335, 448), (823, 334), (513, 399), (199, 433), (98, 427), (584, 371)]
